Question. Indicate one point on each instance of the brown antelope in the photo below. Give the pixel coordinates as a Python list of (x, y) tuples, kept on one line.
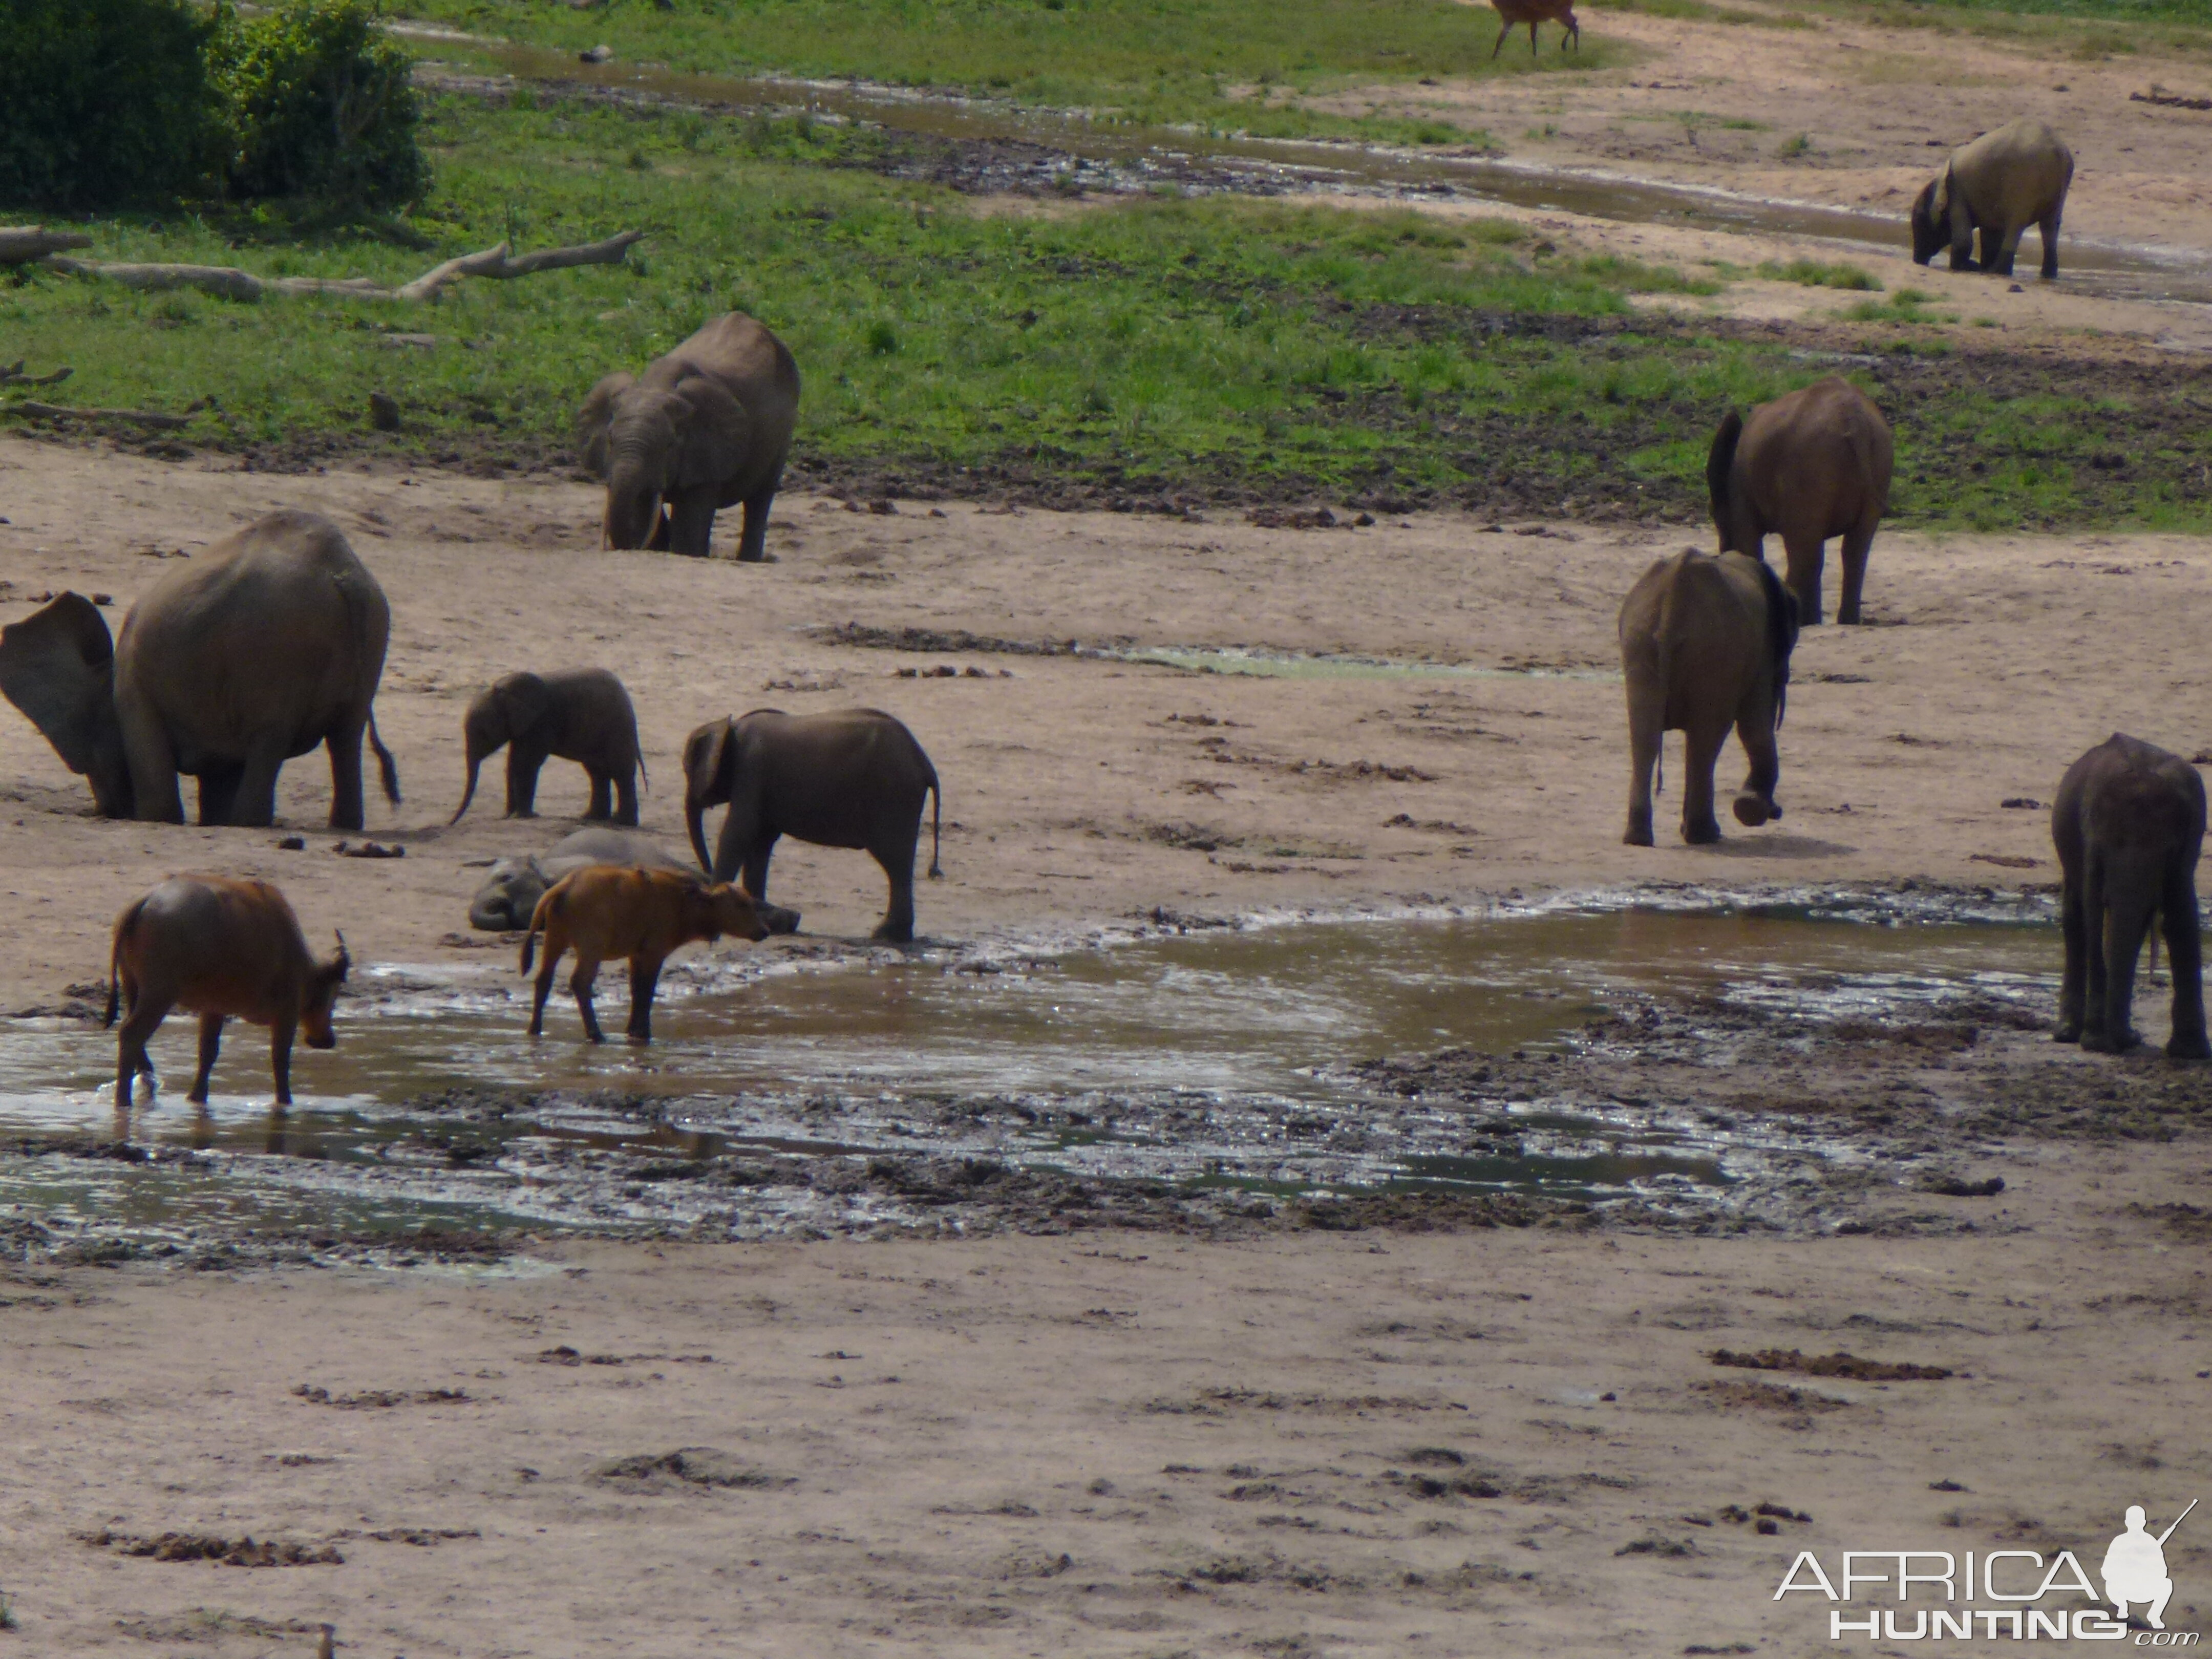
[(1533, 12)]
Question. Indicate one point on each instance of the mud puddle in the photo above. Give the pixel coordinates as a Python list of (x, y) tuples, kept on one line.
[(980, 147), (1188, 1079)]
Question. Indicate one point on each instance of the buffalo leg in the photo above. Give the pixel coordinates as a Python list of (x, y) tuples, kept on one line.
[(1704, 745), (280, 1057), (2072, 988), (626, 797), (644, 979), (1504, 30), (210, 1045), (523, 765), (1645, 738), (348, 809), (139, 1025), (2049, 226), (2185, 965), (897, 857), (602, 807), (1803, 558), (543, 987), (580, 986), (1858, 543)]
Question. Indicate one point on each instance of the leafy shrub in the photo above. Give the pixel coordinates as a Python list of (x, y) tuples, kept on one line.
[(319, 105), (103, 102)]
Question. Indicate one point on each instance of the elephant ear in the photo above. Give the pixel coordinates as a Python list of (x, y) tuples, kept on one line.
[(715, 435), (525, 702), (592, 422), (709, 754), (58, 666)]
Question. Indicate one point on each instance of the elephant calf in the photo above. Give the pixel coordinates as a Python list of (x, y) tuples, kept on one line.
[(1809, 465), (510, 893), (1999, 184), (1704, 644), (220, 947), (643, 915), (2129, 823), (855, 777), (582, 716)]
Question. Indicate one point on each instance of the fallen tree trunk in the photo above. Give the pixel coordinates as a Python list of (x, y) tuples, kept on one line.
[(21, 244), (13, 376), (494, 263), (59, 412)]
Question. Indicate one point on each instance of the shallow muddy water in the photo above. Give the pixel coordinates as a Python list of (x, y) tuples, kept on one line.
[(1216, 1058), (1126, 156)]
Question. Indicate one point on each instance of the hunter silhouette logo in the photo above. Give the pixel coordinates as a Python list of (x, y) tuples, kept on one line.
[(2135, 1568)]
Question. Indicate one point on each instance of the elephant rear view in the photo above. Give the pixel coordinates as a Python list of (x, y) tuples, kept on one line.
[(266, 645), (707, 426), (854, 778), (1806, 467), (1999, 184)]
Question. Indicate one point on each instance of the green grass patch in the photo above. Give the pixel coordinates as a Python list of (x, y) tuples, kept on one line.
[(1811, 273), (1907, 305)]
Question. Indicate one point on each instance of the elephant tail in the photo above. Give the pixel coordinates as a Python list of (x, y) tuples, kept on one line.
[(644, 777), (388, 769), (936, 813), (1720, 462), (1781, 634)]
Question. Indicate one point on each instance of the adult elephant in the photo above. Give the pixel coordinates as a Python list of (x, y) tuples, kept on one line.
[(2128, 824), (1705, 640), (510, 891), (1809, 465), (705, 427), (581, 714), (1999, 184), (854, 778), (266, 645)]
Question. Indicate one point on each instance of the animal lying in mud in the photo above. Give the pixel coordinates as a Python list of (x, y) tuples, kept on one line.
[(2129, 825), (642, 914), (223, 948), (582, 716), (510, 893)]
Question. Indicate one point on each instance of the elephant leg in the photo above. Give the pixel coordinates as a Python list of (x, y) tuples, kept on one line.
[(896, 855), (754, 873), (2049, 226), (1857, 542), (523, 766), (2007, 245), (348, 810), (2184, 956), (139, 1025), (742, 840), (692, 523), (210, 1045), (2127, 918), (1754, 803), (1704, 742), (254, 806), (602, 807), (2073, 988), (752, 543), (1803, 557), (1645, 738), (280, 1057), (218, 792), (2093, 948), (152, 759), (644, 979), (626, 797), (580, 986)]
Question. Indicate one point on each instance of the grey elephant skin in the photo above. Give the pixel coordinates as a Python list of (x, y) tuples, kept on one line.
[(1705, 640), (582, 716), (510, 893), (705, 427), (1807, 466), (265, 646), (1999, 184), (2128, 824), (853, 778)]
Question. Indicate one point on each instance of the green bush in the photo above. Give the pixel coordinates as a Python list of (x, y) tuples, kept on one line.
[(319, 105), (103, 102)]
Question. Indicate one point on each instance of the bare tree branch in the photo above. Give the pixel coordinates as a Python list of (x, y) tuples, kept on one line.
[(57, 412), (232, 284), (13, 376), (21, 244)]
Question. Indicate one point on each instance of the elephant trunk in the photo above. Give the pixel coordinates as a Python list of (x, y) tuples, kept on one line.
[(695, 813), (475, 763), (482, 731), (634, 497)]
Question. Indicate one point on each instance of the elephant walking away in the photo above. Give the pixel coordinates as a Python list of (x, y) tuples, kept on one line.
[(1705, 640), (583, 715), (268, 644), (1999, 184), (705, 427), (2129, 823), (511, 890), (1809, 465), (853, 778)]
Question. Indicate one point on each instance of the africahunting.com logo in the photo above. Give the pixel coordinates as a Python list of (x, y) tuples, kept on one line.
[(2133, 1574)]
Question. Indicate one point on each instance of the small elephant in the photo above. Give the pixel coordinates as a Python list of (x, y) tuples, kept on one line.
[(2000, 184), (854, 778), (266, 645), (1705, 640), (2129, 823), (705, 427), (510, 894), (582, 716), (1809, 465)]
